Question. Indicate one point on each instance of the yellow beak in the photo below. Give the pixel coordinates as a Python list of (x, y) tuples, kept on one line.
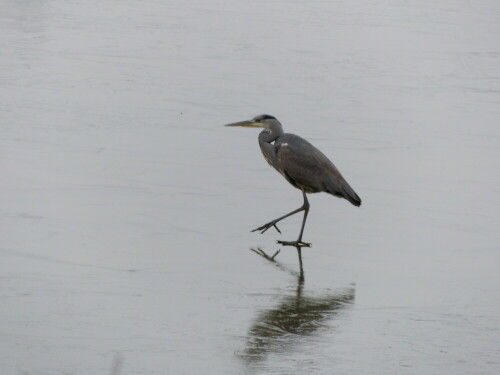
[(247, 124)]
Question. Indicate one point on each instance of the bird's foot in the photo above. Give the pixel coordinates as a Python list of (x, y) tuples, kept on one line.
[(295, 243), (267, 226)]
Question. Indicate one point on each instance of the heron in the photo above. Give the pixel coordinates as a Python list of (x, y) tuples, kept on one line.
[(302, 165)]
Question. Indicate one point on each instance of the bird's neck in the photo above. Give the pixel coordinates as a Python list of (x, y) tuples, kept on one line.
[(270, 135)]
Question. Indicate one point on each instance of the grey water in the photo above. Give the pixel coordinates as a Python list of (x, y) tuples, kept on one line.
[(126, 207)]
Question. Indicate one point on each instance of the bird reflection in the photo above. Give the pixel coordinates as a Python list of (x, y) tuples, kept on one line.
[(298, 314)]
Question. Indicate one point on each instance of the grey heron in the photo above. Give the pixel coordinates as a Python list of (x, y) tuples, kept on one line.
[(301, 164)]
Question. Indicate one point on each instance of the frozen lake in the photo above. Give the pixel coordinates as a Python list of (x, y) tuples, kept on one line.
[(126, 207)]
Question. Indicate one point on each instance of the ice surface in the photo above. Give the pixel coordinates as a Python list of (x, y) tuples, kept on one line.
[(126, 207)]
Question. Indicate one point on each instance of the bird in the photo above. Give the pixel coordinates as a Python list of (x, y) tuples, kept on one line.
[(302, 165)]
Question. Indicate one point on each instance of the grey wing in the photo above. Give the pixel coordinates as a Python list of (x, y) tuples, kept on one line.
[(308, 169), (303, 165)]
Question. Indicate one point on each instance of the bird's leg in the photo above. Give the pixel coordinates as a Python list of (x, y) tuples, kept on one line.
[(273, 223), (299, 242)]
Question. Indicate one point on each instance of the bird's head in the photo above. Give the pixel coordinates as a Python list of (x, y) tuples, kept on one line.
[(261, 121)]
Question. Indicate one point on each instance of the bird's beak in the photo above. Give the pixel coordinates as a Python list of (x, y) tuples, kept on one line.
[(247, 124)]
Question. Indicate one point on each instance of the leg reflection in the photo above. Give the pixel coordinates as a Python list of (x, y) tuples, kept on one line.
[(271, 258)]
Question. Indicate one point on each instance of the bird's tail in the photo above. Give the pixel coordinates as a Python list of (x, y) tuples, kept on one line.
[(342, 189), (349, 194)]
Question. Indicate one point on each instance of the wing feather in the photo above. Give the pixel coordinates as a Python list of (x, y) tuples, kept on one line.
[(308, 169)]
